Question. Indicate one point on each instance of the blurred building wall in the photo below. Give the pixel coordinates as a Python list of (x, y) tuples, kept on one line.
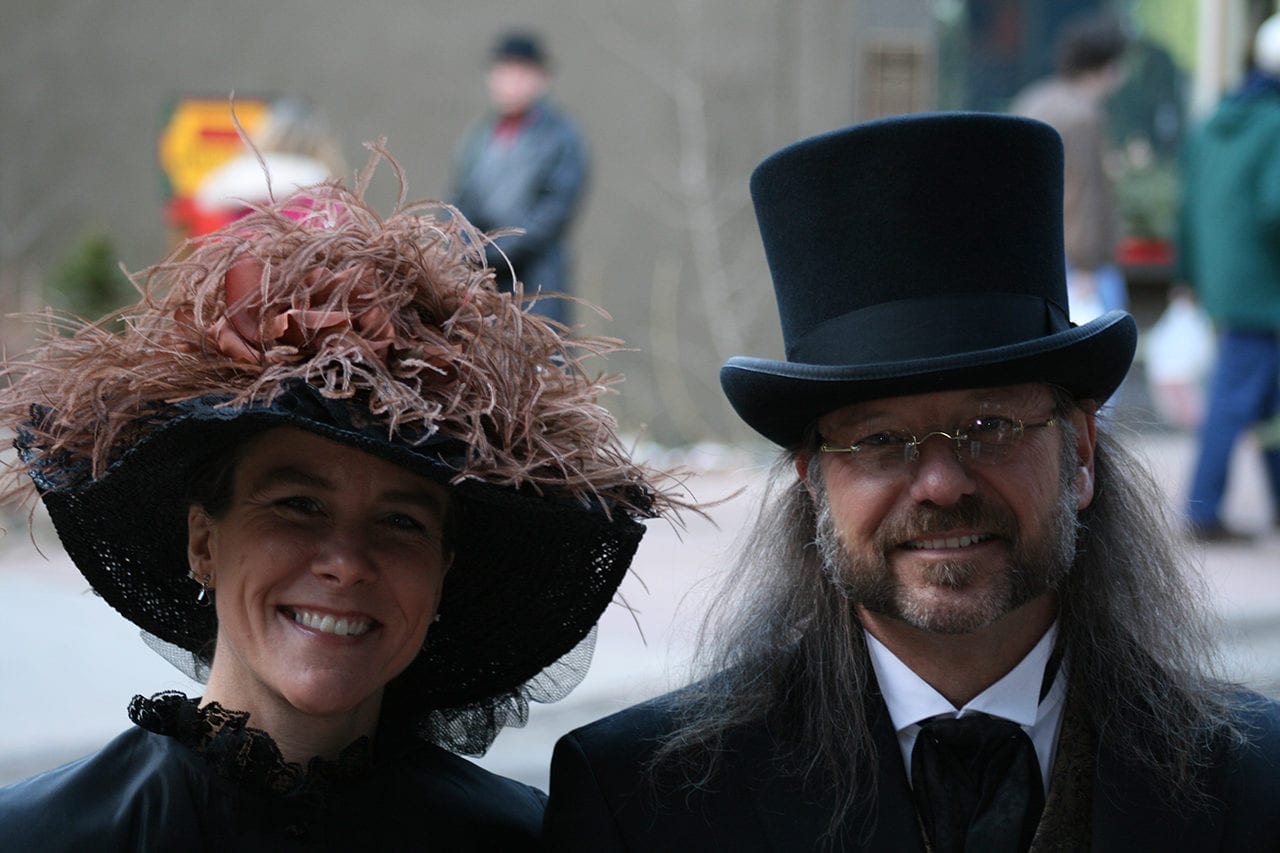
[(678, 98)]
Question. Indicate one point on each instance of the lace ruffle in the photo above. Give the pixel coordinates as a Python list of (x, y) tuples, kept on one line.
[(246, 756)]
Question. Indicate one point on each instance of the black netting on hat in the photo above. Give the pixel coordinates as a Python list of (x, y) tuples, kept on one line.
[(530, 577), (470, 729)]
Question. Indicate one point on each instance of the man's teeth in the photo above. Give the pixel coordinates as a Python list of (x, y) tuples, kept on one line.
[(951, 542), (327, 624)]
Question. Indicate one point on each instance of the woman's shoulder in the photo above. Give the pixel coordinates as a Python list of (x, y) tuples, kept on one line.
[(455, 776), (105, 801), (472, 800)]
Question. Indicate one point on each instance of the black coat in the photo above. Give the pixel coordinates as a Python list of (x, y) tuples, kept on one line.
[(146, 791), (602, 798)]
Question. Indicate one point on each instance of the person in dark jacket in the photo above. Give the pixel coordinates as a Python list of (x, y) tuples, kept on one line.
[(524, 167), (1229, 253), (960, 621), (333, 471)]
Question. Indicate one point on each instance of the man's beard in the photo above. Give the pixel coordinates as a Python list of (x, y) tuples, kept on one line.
[(1034, 566)]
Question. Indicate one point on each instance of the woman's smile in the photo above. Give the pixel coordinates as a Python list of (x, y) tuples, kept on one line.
[(353, 625)]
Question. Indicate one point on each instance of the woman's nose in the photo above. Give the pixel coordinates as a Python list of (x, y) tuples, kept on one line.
[(344, 558)]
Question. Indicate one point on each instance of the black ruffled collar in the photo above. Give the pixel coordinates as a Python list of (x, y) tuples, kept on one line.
[(245, 756)]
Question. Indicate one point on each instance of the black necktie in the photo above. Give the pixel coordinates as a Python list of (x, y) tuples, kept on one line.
[(976, 782)]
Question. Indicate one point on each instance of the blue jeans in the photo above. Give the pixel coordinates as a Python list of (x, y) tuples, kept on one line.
[(1244, 389)]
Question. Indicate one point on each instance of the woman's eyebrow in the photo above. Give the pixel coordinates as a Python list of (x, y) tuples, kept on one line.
[(418, 497), (289, 475)]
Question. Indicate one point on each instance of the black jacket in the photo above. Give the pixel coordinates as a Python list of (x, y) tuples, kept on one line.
[(147, 791), (603, 800)]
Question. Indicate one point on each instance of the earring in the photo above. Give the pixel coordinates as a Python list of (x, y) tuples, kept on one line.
[(203, 598), (436, 618)]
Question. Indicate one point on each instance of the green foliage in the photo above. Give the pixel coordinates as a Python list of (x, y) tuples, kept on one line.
[(88, 282), (1148, 198), (1172, 23)]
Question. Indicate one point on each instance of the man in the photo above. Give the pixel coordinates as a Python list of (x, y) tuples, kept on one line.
[(524, 166), (1089, 51), (955, 568), (1229, 252)]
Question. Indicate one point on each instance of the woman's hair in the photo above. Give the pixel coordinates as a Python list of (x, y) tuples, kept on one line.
[(781, 645)]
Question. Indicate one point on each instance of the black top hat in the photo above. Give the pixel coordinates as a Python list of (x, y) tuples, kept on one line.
[(914, 254)]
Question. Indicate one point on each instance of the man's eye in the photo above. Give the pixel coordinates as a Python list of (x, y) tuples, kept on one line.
[(883, 439), (989, 425)]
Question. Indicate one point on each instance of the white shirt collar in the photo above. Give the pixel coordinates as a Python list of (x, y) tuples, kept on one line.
[(1016, 697)]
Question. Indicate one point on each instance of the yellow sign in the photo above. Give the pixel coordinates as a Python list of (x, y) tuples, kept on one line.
[(200, 136)]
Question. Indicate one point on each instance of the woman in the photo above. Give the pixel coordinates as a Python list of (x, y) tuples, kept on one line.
[(328, 466)]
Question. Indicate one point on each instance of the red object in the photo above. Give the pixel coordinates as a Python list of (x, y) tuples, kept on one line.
[(1144, 250)]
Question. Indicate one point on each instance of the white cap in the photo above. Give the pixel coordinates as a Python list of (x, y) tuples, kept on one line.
[(1266, 46)]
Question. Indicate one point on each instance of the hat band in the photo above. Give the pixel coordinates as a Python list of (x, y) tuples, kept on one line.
[(929, 327)]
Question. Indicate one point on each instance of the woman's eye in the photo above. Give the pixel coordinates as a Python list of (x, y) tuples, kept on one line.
[(408, 523), (300, 504)]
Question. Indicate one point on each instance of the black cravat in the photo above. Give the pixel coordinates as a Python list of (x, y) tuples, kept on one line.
[(977, 784)]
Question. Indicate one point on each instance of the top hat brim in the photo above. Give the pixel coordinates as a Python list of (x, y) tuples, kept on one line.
[(781, 399)]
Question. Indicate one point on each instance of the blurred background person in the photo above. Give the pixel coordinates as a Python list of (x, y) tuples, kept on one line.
[(1229, 253), (297, 150), (524, 165), (1072, 101)]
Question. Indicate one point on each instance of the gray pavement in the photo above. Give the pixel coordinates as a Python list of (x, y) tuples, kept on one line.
[(69, 664)]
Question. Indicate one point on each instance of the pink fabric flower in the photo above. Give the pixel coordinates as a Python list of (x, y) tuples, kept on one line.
[(251, 331)]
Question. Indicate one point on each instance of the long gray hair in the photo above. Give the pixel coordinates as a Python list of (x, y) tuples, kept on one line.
[(780, 643)]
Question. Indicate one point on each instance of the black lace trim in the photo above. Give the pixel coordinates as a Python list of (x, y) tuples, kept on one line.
[(246, 756)]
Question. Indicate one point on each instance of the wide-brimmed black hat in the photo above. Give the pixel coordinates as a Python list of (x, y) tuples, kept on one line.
[(531, 572), (384, 334), (914, 254)]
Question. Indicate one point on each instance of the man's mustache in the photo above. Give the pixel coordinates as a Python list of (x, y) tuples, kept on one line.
[(923, 522)]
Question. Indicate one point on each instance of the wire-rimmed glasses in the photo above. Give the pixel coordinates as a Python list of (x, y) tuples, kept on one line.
[(983, 440)]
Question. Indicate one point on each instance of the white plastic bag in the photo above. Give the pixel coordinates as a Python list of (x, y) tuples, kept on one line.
[(1179, 350)]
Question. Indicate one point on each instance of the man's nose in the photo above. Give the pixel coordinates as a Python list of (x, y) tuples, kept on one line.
[(937, 475)]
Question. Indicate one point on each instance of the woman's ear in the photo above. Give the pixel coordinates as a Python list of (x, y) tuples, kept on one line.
[(200, 545)]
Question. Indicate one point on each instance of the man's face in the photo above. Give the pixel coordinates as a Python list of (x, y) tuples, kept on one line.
[(950, 543), (514, 86)]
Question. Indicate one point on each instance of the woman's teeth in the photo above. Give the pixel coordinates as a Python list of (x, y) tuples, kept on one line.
[(327, 624)]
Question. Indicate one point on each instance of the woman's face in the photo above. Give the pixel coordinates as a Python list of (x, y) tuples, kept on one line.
[(327, 569)]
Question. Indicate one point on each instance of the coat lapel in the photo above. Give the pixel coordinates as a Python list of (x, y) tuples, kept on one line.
[(796, 816)]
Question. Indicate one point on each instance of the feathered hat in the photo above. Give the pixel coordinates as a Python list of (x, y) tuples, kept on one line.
[(384, 334)]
